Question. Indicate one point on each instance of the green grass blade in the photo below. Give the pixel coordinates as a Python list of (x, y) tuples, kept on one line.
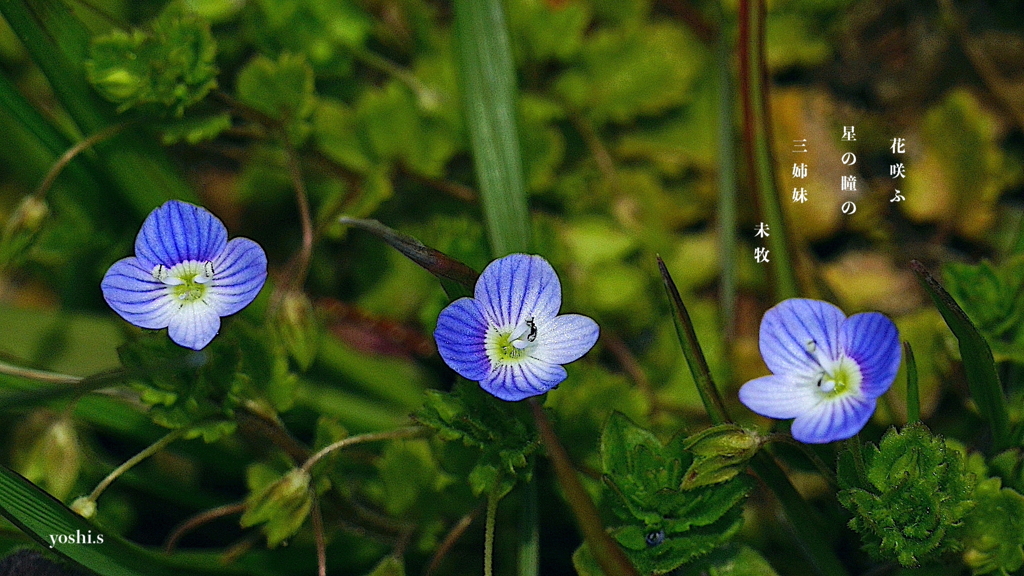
[(757, 145), (979, 365), (489, 104), (913, 395), (59, 43), (692, 351), (40, 515)]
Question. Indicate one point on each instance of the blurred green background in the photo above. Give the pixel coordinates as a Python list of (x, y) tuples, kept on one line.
[(220, 101)]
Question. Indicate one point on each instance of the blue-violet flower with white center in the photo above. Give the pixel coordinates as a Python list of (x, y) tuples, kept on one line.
[(509, 337), (185, 275), (827, 370)]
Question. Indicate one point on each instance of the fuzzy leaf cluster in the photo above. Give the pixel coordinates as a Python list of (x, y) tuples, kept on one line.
[(170, 64), (663, 524), (910, 498), (502, 432), (992, 296)]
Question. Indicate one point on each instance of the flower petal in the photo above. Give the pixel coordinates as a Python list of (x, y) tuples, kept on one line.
[(872, 341), (178, 231), (194, 325), (564, 338), (136, 296), (239, 274), (835, 419), (795, 333), (779, 397), (531, 377), (460, 332), (517, 287)]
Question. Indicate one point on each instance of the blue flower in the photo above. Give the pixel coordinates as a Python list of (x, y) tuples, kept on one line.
[(185, 275), (827, 370), (509, 337)]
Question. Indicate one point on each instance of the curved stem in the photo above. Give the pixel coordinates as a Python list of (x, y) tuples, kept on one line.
[(823, 468), (131, 462), (410, 432), (66, 158), (200, 519)]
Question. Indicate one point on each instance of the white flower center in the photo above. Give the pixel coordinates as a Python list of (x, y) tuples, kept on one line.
[(186, 281), (839, 377), (510, 346)]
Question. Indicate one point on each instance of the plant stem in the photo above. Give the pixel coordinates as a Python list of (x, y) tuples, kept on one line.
[(609, 556), (529, 532), (757, 146), (131, 462), (410, 432), (492, 512)]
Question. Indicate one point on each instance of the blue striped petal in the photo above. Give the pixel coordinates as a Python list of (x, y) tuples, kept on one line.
[(460, 332), (798, 334), (177, 232), (517, 287), (778, 396), (872, 341), (564, 338), (136, 296), (194, 325), (531, 377), (239, 274), (834, 419)]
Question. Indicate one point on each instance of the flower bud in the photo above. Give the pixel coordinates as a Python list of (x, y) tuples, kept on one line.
[(719, 454)]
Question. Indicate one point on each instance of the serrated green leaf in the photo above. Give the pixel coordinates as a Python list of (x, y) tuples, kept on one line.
[(994, 531), (501, 431), (910, 501), (662, 525), (991, 295), (171, 64), (282, 89)]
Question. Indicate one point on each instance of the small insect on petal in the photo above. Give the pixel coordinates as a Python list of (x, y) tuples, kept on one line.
[(509, 336)]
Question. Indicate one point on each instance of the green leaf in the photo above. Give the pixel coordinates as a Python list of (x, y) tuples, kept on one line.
[(488, 87), (325, 33), (994, 531), (979, 364), (194, 130), (543, 31), (389, 566), (184, 388), (662, 524), (627, 73), (170, 65), (991, 296), (909, 496), (500, 431), (282, 89)]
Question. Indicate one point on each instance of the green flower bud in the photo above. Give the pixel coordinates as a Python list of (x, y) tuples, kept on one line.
[(719, 454)]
